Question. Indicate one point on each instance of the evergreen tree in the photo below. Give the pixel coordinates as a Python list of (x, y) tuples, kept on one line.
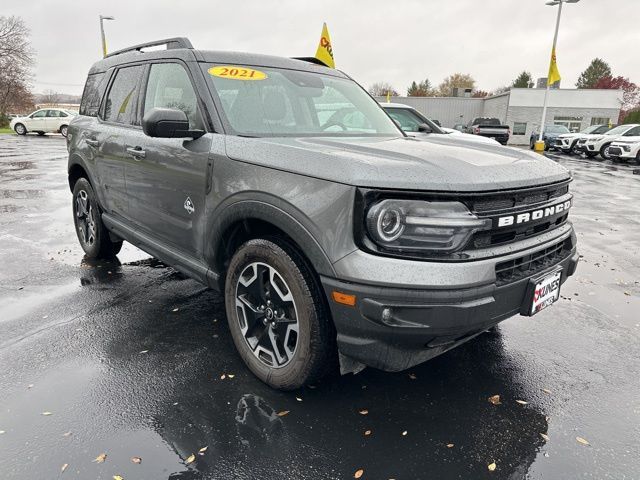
[(597, 70), (524, 80)]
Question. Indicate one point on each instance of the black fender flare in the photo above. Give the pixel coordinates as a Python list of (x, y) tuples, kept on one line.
[(270, 209)]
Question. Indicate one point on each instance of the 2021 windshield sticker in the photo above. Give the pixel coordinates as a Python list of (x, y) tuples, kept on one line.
[(237, 73)]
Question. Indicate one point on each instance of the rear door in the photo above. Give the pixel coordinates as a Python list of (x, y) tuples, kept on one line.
[(167, 186), (118, 130)]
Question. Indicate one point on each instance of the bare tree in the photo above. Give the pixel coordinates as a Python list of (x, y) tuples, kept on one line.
[(380, 89), (50, 97), (16, 58)]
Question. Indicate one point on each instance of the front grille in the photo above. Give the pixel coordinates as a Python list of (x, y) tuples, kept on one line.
[(497, 205), (531, 264)]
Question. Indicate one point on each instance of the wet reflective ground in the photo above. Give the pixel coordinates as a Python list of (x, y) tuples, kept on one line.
[(127, 357)]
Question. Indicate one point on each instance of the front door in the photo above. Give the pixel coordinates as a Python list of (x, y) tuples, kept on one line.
[(167, 185), (37, 122)]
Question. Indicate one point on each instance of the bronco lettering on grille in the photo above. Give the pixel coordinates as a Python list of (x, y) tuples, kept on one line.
[(525, 217)]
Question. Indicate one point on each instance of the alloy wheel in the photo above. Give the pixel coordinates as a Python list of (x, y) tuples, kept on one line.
[(267, 314), (85, 218), (20, 130)]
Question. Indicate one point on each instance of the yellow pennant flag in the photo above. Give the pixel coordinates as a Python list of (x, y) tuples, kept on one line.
[(325, 52), (554, 74), (388, 96)]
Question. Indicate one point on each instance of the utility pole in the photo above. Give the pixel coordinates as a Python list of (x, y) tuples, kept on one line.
[(104, 41)]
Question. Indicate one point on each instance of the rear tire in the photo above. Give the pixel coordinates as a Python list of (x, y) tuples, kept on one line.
[(278, 316), (531, 144), (20, 129), (63, 130), (573, 150), (92, 234)]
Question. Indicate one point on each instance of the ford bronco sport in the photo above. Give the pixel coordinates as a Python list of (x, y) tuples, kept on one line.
[(335, 238)]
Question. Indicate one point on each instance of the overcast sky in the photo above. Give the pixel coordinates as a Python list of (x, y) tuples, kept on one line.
[(373, 40)]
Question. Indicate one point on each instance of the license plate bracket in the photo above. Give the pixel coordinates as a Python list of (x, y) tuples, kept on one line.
[(542, 291)]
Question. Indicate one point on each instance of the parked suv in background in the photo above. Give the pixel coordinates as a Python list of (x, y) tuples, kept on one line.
[(599, 144), (568, 142), (626, 149), (46, 120), (549, 136), (330, 242)]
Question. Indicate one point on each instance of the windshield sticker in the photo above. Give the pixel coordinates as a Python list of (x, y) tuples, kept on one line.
[(237, 73)]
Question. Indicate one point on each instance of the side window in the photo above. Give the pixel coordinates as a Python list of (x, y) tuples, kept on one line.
[(39, 114), (52, 113), (121, 101), (169, 86), (62, 114), (92, 94), (407, 122), (634, 132)]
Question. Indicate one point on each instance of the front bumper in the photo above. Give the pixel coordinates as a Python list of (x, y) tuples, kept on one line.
[(395, 327)]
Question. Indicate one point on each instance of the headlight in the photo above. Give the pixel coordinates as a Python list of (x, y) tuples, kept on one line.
[(418, 225)]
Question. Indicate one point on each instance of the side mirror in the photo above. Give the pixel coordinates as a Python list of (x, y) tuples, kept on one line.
[(168, 123), (424, 128)]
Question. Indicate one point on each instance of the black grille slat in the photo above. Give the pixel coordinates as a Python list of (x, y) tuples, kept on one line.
[(528, 265)]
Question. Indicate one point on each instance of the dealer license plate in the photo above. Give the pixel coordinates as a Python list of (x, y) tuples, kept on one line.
[(546, 292)]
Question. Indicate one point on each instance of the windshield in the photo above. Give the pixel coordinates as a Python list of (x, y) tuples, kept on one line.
[(410, 120), (557, 129), (486, 121), (618, 130), (277, 102), (594, 129)]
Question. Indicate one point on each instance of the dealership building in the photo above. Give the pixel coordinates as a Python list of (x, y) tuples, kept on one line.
[(521, 109)]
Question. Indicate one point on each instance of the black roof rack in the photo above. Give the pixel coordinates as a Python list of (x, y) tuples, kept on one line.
[(171, 43)]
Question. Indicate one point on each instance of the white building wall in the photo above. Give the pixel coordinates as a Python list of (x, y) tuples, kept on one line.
[(496, 107)]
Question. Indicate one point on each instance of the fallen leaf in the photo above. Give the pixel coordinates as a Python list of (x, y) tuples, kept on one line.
[(363, 412), (46, 414), (175, 309), (545, 436), (231, 375), (450, 445), (202, 450), (522, 402), (190, 459), (117, 477), (144, 351), (64, 467), (412, 376), (298, 399), (100, 458), (283, 413), (547, 391), (136, 460), (491, 466), (627, 293), (495, 399), (358, 473), (67, 434), (2, 432), (367, 433), (30, 385), (223, 376), (404, 434), (582, 441)]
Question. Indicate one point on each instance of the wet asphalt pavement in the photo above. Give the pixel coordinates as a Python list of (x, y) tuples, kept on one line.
[(127, 357)]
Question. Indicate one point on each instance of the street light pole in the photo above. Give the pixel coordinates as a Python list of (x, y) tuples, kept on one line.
[(104, 41), (553, 49)]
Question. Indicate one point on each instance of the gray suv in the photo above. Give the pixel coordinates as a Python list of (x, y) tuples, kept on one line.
[(336, 239)]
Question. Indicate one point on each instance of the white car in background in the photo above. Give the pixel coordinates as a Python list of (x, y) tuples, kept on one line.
[(568, 142), (627, 149), (414, 124), (45, 120), (600, 144)]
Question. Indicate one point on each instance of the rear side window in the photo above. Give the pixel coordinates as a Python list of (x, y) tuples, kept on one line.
[(93, 91), (169, 86), (121, 101)]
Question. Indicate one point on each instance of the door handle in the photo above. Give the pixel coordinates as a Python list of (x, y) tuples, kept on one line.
[(136, 152), (91, 142)]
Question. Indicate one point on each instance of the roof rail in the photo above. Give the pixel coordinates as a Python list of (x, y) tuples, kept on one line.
[(171, 43)]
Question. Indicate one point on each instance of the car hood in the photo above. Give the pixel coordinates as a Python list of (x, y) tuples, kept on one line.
[(627, 140), (572, 135), (439, 162)]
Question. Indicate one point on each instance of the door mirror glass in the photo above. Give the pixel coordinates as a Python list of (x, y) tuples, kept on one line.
[(424, 128), (168, 123)]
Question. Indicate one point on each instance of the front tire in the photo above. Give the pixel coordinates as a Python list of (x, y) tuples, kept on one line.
[(604, 151), (20, 129), (278, 316), (92, 234)]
